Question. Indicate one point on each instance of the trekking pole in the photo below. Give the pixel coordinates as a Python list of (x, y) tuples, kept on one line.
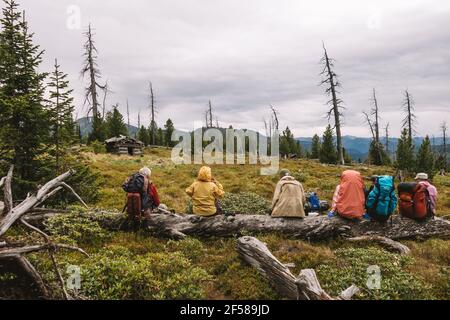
[(168, 212)]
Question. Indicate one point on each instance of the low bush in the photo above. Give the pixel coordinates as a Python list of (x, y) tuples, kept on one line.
[(242, 203), (77, 227), (351, 267), (116, 274)]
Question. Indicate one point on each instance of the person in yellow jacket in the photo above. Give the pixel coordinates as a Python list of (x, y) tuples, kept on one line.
[(205, 192)]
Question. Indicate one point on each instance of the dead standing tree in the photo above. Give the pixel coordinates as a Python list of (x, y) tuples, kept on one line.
[(210, 114), (91, 68), (376, 114), (18, 213), (386, 138), (374, 125), (444, 151), (153, 126), (410, 119), (332, 82)]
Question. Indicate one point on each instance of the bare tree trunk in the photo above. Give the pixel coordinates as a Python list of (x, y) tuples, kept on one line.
[(305, 287), (387, 138), (410, 117), (128, 117), (17, 213), (333, 84), (153, 117), (444, 137), (210, 114), (376, 114)]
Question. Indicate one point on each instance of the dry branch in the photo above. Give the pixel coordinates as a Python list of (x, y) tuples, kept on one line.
[(387, 243), (19, 212), (32, 201), (65, 185), (29, 269), (8, 204), (305, 287), (11, 251)]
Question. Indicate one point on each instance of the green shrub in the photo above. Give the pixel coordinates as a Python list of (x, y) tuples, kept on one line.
[(118, 274), (77, 227), (351, 268), (301, 176), (84, 181), (241, 281), (190, 248), (245, 203), (98, 147), (242, 203)]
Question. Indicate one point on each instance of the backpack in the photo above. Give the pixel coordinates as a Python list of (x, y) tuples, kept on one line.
[(381, 199), (134, 205), (137, 198), (314, 202), (134, 184), (415, 202)]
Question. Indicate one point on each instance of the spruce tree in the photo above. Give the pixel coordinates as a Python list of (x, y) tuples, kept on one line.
[(328, 151), (60, 107), (143, 136), (315, 147), (425, 158), (377, 154), (24, 124), (169, 129), (160, 137), (405, 152), (114, 124)]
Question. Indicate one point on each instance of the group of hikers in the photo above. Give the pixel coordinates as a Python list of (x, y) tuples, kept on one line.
[(351, 199)]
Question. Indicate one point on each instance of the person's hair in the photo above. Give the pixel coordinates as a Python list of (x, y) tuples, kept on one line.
[(145, 172), (284, 173)]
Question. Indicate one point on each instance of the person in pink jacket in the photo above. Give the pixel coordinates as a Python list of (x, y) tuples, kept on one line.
[(422, 178)]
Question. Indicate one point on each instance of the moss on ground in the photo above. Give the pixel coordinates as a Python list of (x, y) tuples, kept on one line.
[(138, 266)]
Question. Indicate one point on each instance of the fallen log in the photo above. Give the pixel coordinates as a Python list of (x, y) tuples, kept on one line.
[(32, 201), (305, 287), (386, 243), (18, 213), (311, 228)]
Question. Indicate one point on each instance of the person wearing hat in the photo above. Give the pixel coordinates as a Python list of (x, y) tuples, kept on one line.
[(289, 197), (422, 178)]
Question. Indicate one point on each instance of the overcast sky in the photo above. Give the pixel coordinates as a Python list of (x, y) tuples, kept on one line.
[(247, 54)]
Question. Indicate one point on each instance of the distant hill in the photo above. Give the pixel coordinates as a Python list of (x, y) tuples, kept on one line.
[(358, 147), (86, 127)]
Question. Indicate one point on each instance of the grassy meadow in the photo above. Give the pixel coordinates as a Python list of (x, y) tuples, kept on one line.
[(138, 266)]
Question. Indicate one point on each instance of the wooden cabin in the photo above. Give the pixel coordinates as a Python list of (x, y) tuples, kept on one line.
[(125, 146)]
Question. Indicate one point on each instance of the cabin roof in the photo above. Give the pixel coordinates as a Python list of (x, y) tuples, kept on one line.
[(123, 139)]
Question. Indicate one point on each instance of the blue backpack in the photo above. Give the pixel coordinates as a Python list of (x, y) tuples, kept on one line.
[(382, 201), (314, 202)]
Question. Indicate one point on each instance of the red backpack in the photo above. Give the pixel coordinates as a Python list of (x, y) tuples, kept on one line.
[(414, 201), (134, 205)]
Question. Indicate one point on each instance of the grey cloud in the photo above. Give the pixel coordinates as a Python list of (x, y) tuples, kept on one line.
[(245, 55)]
